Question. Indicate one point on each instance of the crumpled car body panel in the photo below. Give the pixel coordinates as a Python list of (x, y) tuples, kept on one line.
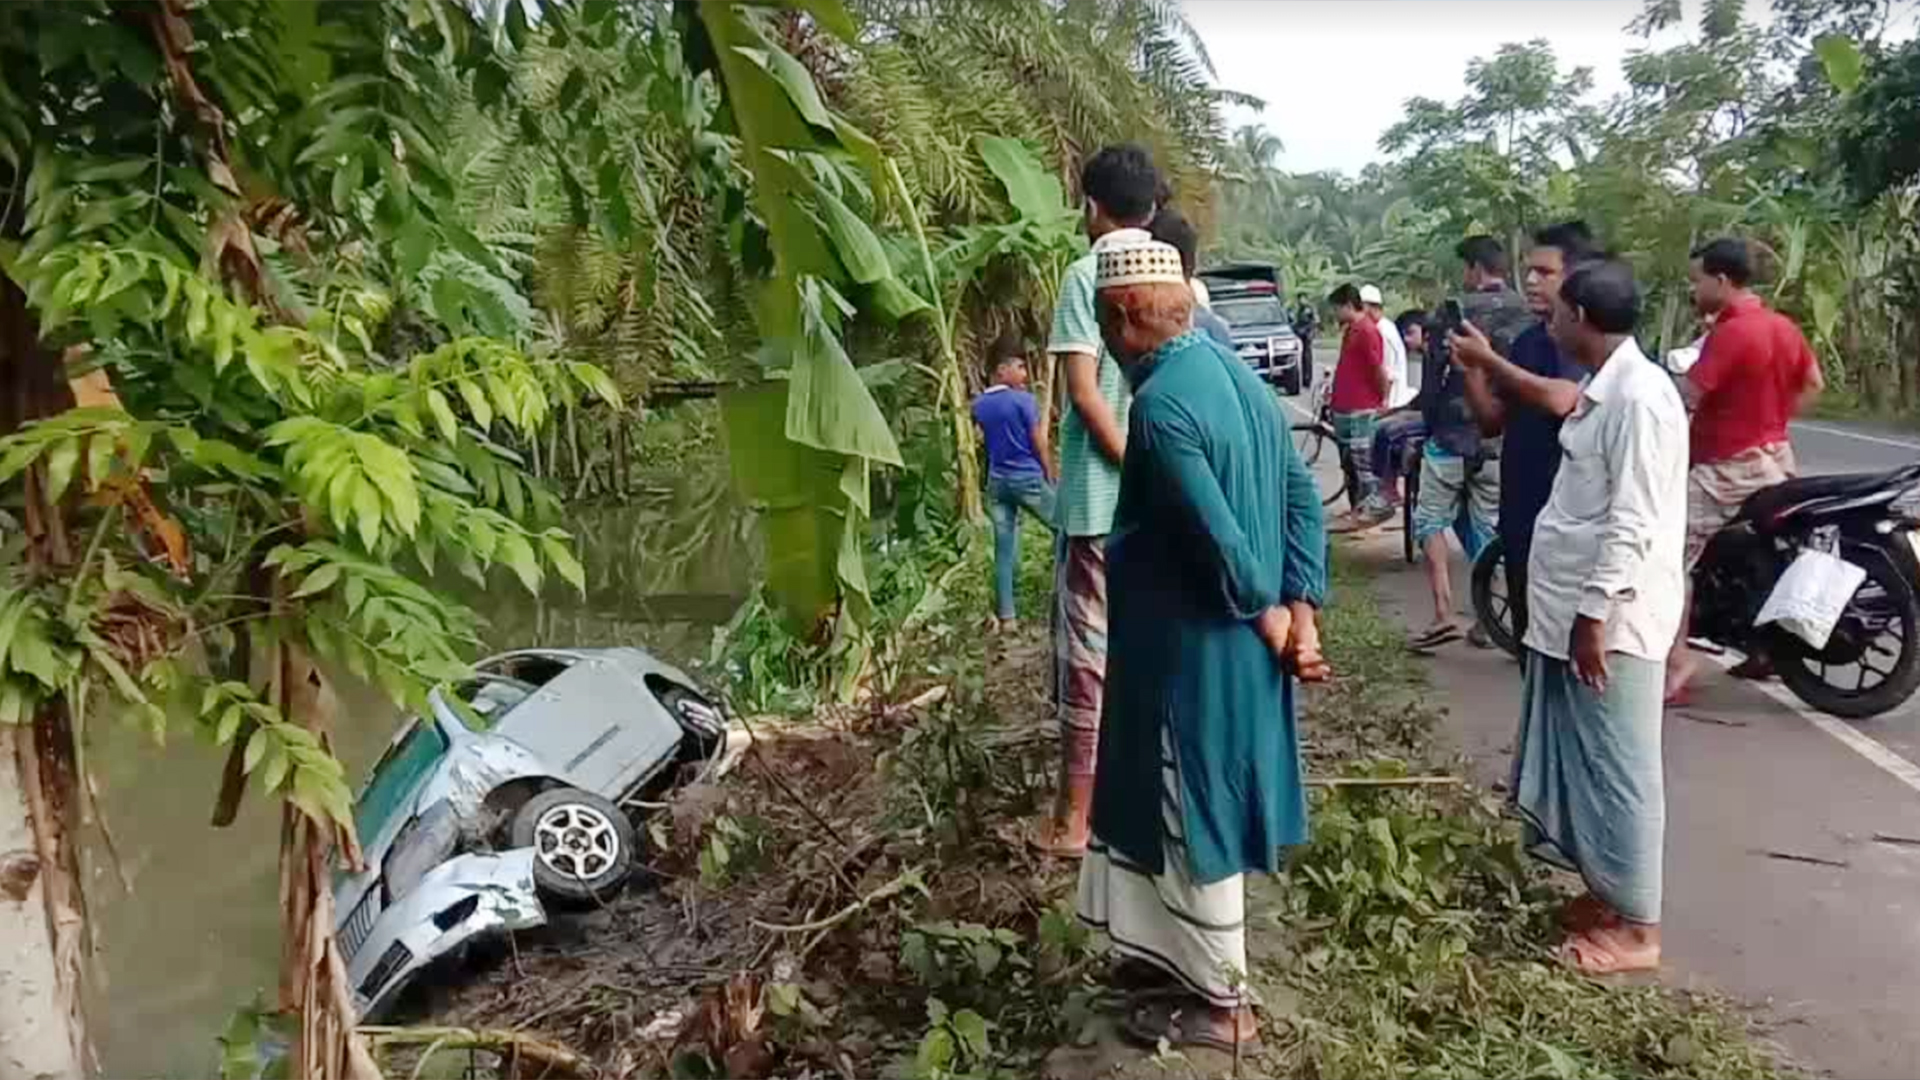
[(598, 725), (467, 897)]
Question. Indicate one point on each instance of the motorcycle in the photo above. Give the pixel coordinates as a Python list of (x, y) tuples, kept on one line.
[(1870, 663)]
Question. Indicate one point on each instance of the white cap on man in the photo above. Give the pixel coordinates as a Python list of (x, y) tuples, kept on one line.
[(1370, 294)]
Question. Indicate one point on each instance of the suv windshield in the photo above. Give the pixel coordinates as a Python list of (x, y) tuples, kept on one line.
[(1250, 310), (398, 772)]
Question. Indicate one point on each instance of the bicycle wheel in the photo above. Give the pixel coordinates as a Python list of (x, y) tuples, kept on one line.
[(1409, 499), (1490, 603), (1313, 438), (1312, 441)]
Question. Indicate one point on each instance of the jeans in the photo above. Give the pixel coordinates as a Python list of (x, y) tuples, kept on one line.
[(1006, 497)]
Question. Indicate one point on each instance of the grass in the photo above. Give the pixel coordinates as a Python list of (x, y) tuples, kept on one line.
[(1420, 934), (893, 922)]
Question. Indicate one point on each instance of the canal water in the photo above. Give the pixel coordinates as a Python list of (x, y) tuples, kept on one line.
[(197, 934)]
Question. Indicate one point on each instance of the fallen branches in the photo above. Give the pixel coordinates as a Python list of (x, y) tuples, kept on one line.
[(515, 1046)]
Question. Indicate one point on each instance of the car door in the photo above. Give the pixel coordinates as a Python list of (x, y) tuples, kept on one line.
[(594, 723)]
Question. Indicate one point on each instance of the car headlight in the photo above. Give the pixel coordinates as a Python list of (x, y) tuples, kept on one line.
[(423, 843)]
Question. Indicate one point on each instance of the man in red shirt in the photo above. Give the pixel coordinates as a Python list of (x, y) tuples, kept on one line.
[(1754, 374), (1360, 385)]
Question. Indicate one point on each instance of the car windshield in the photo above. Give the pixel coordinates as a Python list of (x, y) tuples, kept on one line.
[(482, 703), (1251, 310), (399, 771)]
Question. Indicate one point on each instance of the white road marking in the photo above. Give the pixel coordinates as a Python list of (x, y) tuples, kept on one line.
[(1845, 434), (1849, 736), (1297, 410)]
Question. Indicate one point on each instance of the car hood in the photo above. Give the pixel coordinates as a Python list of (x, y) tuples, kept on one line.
[(1254, 331)]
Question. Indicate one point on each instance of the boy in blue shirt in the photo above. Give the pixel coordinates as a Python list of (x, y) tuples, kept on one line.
[(1019, 466)]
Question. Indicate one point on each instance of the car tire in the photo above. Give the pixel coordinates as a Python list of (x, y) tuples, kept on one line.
[(1290, 384), (583, 845)]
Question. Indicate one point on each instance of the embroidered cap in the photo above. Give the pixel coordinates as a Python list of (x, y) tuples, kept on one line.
[(1141, 262)]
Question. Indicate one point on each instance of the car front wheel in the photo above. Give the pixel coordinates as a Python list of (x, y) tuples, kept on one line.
[(583, 845)]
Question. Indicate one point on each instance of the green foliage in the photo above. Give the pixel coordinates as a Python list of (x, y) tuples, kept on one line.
[(955, 1044)]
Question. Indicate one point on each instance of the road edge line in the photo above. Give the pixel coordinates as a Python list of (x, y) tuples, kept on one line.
[(1875, 752), (1843, 433)]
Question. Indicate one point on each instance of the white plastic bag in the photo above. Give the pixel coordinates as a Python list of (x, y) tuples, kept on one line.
[(1810, 596)]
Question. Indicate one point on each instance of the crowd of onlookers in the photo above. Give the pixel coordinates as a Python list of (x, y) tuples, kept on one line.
[(1191, 560)]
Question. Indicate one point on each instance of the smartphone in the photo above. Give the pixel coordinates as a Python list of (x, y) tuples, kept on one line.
[(1451, 316)]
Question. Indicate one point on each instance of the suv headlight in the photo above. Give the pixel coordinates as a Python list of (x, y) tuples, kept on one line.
[(423, 843)]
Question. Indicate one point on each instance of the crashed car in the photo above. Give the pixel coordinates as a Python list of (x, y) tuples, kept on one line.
[(508, 795)]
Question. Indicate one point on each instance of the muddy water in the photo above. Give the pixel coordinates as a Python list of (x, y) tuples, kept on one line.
[(197, 937)]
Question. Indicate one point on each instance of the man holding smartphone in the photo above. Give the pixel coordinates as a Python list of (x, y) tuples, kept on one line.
[(1458, 473)]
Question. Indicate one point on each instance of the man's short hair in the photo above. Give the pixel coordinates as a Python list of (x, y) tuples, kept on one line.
[(1484, 252), (1605, 294), (1122, 180), (1409, 319), (1347, 295), (1573, 240), (1170, 226), (1727, 257), (1006, 348)]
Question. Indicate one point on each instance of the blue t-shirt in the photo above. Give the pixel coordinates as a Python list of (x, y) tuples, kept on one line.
[(1006, 417), (1530, 456)]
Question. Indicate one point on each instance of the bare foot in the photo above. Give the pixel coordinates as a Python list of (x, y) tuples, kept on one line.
[(1062, 837)]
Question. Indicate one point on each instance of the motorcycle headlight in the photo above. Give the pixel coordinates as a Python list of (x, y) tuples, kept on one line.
[(423, 843), (1906, 504)]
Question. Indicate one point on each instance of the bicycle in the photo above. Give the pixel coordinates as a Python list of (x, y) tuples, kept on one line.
[(1491, 605), (1314, 435)]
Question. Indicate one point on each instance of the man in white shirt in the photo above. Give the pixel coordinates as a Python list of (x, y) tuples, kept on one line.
[(1399, 393), (1605, 582)]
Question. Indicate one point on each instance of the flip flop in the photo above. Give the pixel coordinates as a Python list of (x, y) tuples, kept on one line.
[(1591, 953), (1153, 1021), (1435, 636), (1753, 668)]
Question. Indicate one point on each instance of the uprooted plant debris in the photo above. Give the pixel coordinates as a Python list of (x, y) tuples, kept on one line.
[(857, 900)]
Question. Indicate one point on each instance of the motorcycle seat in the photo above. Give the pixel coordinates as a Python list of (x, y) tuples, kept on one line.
[(1768, 506)]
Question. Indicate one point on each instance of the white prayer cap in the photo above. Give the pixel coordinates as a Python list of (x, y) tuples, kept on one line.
[(1370, 294), (1141, 262)]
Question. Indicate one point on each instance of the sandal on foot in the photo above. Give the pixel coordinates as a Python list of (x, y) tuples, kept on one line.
[(1167, 1020), (1435, 636), (1595, 952), (1753, 668)]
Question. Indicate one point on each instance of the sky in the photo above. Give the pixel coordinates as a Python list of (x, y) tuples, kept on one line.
[(1335, 72)]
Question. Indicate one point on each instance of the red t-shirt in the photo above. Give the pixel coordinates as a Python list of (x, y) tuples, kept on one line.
[(1751, 372), (1359, 374)]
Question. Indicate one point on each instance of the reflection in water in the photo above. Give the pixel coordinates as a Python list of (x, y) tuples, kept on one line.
[(199, 936)]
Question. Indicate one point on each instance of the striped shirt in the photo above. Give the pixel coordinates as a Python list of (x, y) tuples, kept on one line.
[(1089, 483)]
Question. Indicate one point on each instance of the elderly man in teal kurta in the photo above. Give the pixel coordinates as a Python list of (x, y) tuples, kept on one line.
[(1216, 566)]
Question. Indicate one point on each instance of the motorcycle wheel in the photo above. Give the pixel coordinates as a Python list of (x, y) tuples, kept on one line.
[(1490, 604), (1859, 649)]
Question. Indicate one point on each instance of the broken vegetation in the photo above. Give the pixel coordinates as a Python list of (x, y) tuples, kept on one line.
[(857, 901)]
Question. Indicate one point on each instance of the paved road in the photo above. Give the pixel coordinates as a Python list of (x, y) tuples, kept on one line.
[(1830, 953)]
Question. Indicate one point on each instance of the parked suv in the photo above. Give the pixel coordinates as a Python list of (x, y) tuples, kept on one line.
[(1247, 296)]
